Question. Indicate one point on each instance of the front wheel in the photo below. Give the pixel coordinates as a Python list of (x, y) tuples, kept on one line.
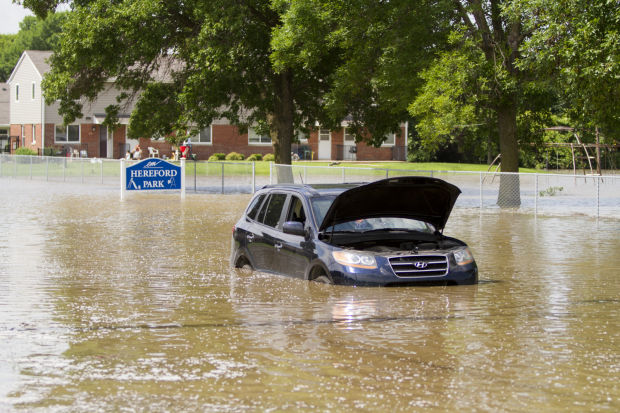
[(323, 279)]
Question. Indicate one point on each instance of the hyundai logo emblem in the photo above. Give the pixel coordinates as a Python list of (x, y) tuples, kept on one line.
[(420, 264)]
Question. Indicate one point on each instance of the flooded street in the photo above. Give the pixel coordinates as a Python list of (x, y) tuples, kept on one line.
[(116, 306)]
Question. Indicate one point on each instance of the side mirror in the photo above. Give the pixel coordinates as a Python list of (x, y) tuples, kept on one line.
[(294, 228)]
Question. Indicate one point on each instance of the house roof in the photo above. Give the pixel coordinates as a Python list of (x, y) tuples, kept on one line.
[(4, 104), (39, 60)]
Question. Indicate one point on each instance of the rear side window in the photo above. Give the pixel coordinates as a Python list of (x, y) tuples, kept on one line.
[(255, 206), (273, 209)]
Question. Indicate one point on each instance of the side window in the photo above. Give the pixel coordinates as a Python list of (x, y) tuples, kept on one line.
[(254, 206), (296, 211), (273, 210)]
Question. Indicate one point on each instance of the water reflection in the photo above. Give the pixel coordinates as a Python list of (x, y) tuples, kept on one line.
[(110, 305)]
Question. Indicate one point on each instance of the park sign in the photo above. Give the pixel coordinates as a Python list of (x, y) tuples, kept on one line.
[(152, 174)]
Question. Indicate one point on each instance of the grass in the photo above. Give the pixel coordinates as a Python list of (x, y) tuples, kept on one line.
[(65, 166)]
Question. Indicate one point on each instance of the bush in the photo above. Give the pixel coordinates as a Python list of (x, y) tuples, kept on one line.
[(255, 157), (217, 157), (234, 156), (269, 157), (25, 151)]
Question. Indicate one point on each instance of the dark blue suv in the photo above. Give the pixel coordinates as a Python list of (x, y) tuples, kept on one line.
[(387, 232)]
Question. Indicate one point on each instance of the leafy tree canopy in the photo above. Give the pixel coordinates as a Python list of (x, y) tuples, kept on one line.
[(184, 64), (34, 34), (576, 43)]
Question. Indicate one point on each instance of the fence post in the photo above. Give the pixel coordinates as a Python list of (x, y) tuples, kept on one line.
[(182, 178), (222, 177), (270, 173), (598, 195), (535, 194), (253, 177), (481, 180), (123, 172)]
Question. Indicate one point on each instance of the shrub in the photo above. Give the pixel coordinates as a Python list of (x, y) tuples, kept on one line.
[(217, 157), (25, 151), (255, 157), (234, 156), (269, 157)]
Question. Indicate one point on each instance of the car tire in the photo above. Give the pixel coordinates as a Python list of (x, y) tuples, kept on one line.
[(323, 279)]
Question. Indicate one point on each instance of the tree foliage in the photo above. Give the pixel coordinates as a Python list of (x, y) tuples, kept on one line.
[(374, 49), (576, 43), (34, 34), (184, 64)]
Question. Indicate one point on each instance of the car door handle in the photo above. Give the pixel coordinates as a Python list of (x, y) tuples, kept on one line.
[(250, 237), (278, 246)]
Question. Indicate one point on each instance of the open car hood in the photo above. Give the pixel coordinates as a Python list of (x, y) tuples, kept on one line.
[(422, 198)]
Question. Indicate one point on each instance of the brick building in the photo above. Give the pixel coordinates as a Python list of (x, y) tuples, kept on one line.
[(37, 125)]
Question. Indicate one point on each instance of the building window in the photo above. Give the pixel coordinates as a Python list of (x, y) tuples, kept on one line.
[(204, 136), (69, 133), (256, 139), (34, 134), (348, 136), (33, 89), (390, 140), (16, 93), (324, 135)]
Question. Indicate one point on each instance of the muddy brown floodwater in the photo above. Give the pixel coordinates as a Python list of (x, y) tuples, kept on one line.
[(131, 306)]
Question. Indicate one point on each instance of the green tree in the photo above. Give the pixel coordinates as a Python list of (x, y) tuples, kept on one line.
[(374, 51), (184, 64), (577, 44), (34, 34)]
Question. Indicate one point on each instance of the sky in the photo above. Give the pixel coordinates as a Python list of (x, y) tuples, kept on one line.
[(10, 16)]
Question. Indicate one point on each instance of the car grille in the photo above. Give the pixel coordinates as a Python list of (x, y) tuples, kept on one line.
[(419, 265)]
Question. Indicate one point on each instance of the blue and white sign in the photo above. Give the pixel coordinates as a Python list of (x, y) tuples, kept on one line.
[(152, 174)]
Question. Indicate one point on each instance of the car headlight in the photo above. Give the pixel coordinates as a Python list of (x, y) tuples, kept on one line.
[(463, 256), (355, 259)]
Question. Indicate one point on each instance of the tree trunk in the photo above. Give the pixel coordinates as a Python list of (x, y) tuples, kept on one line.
[(509, 187), (284, 128)]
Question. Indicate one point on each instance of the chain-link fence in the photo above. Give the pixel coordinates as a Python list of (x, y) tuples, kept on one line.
[(535, 193), (527, 192)]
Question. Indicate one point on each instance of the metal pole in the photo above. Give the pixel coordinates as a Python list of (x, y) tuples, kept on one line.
[(305, 174), (343, 176), (253, 177), (387, 173), (270, 173), (222, 177), (64, 169), (598, 195), (101, 171), (15, 166), (536, 194), (31, 167), (481, 179), (82, 167), (123, 179), (47, 167), (182, 178), (195, 185)]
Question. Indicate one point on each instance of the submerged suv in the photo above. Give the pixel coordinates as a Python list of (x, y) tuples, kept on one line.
[(387, 232)]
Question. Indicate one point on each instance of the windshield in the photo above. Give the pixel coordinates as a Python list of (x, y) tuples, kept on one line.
[(321, 205)]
